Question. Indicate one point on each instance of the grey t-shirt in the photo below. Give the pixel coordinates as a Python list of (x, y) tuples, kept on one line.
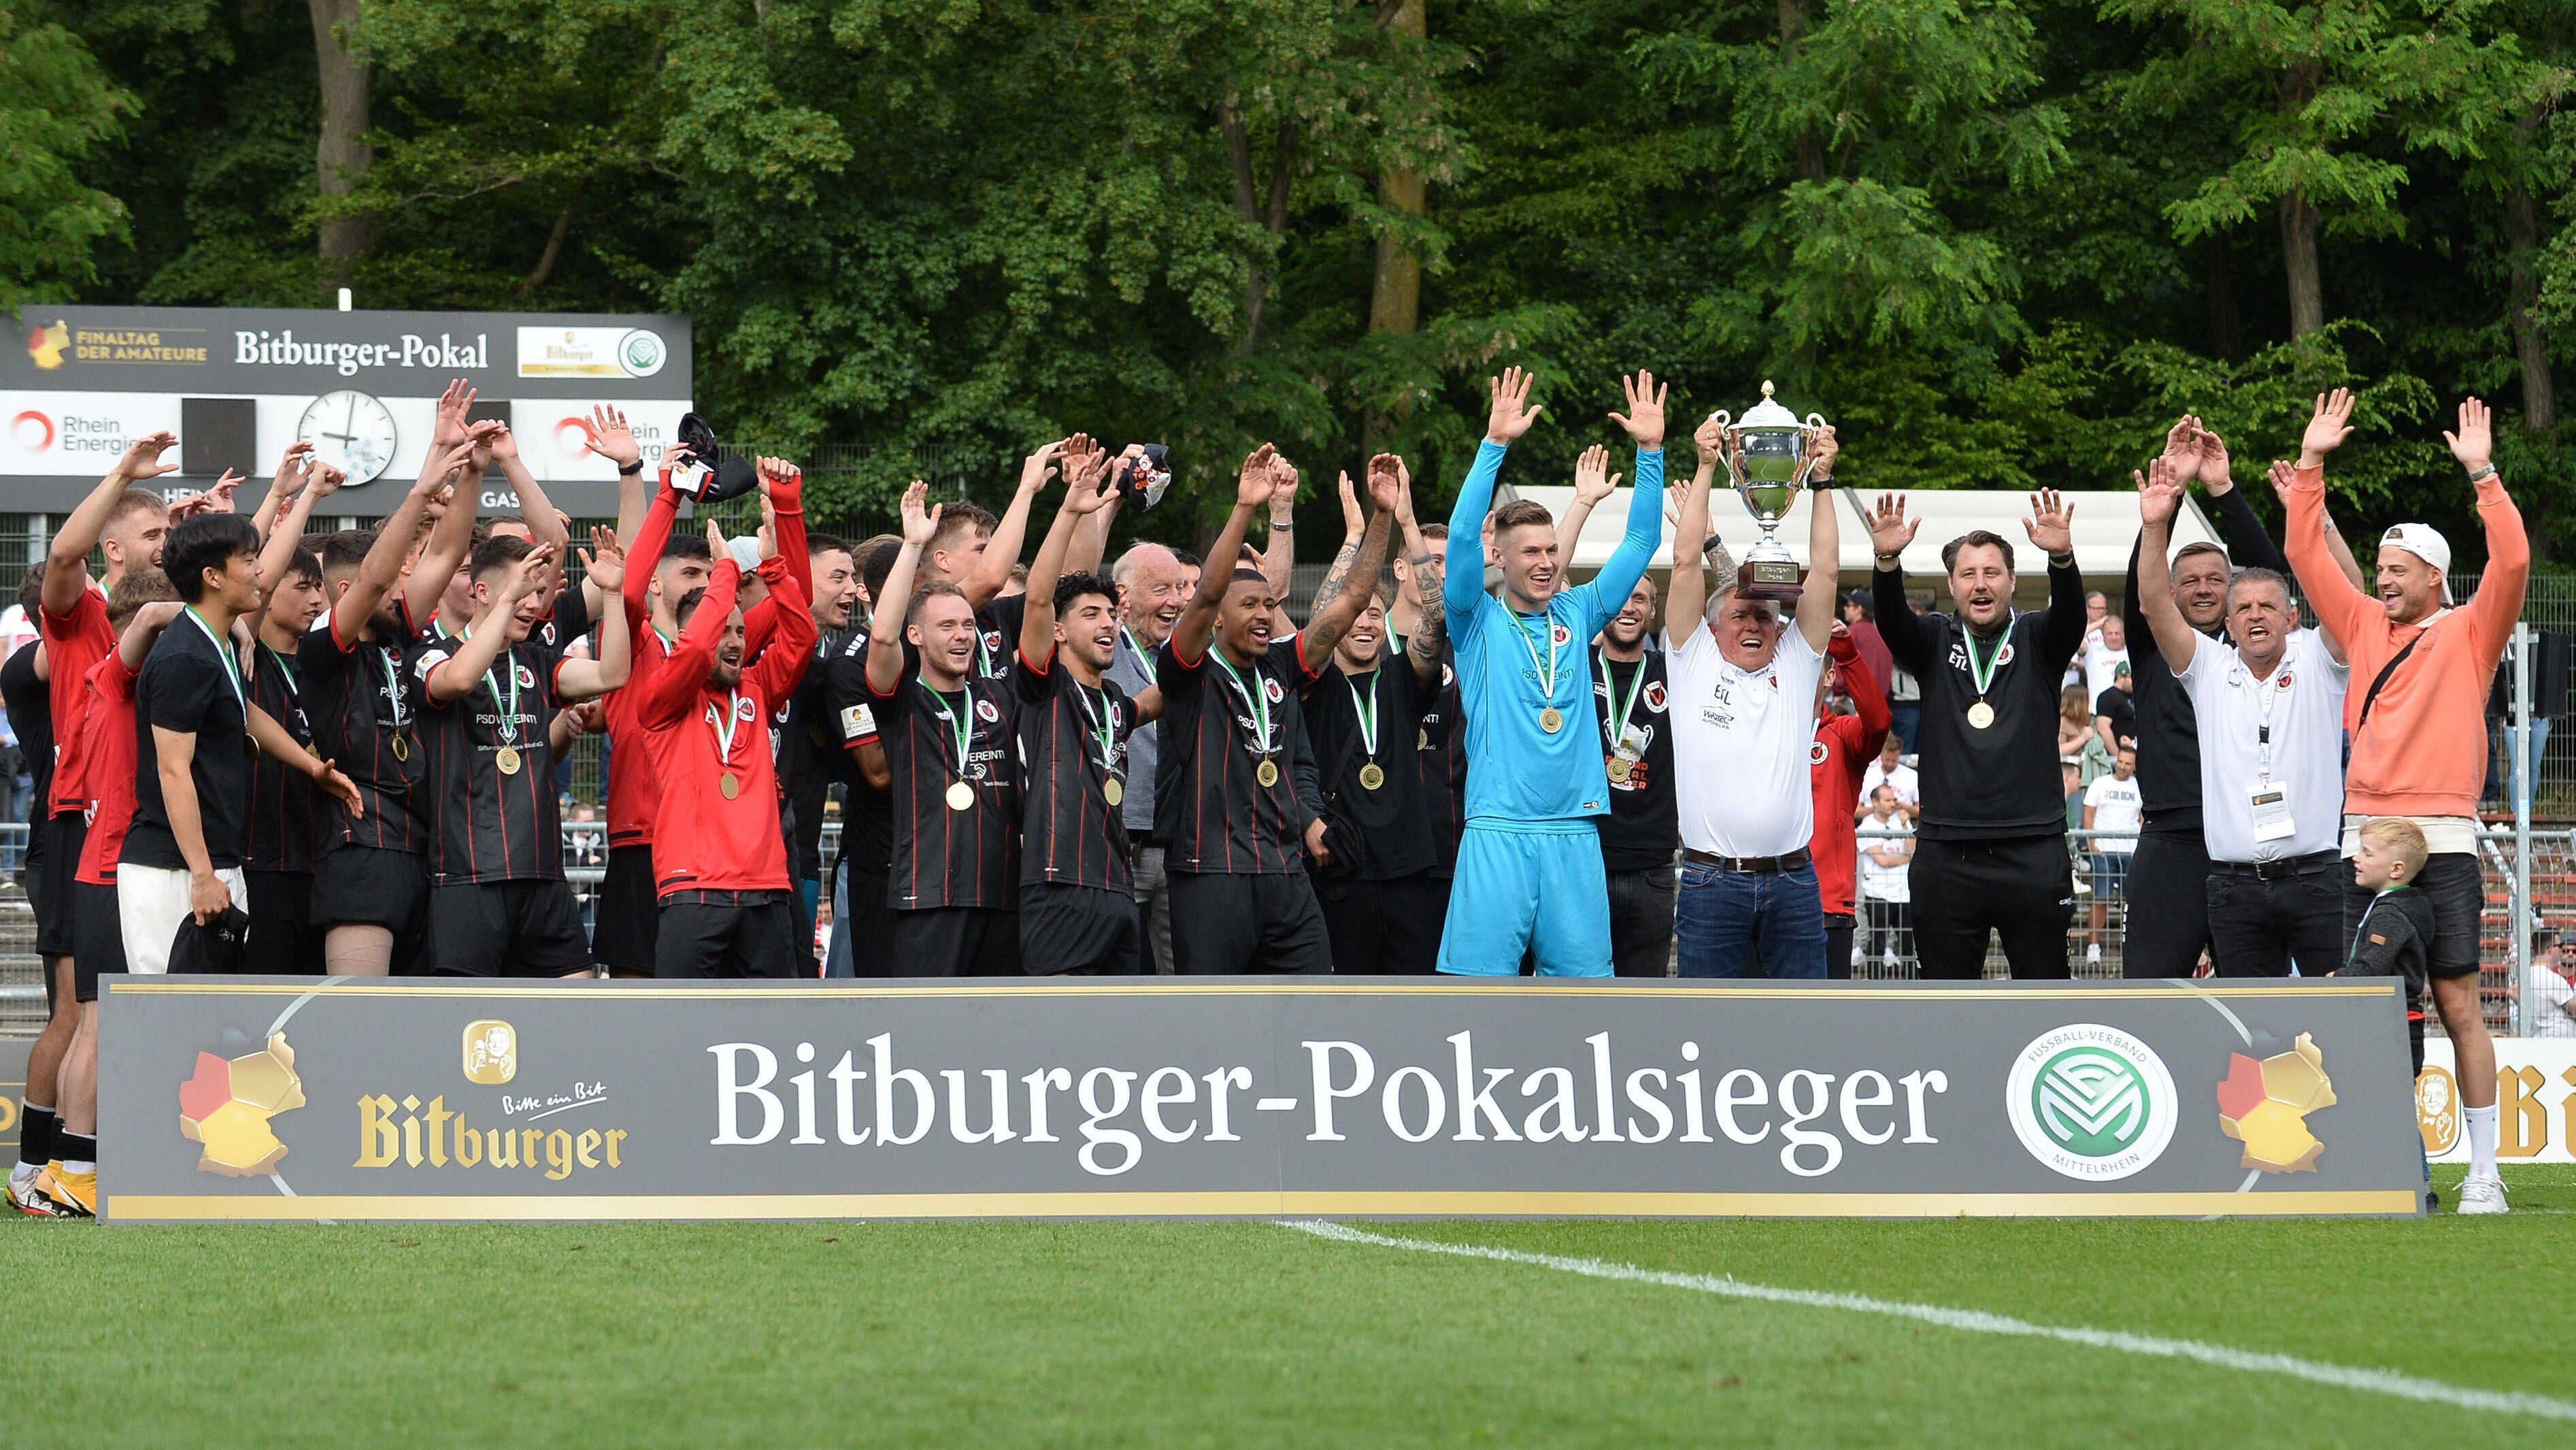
[(1133, 670)]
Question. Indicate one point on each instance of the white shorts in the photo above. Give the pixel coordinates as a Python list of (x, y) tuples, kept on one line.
[(151, 902)]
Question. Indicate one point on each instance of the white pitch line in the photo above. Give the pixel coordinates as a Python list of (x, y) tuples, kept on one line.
[(1974, 1321)]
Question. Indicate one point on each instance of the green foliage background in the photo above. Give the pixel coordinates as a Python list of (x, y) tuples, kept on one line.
[(2000, 244)]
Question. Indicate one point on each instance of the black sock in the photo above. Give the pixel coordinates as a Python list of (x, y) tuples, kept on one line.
[(36, 1135), (71, 1147)]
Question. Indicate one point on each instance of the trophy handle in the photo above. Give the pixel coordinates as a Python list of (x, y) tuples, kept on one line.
[(1807, 454), (1725, 422)]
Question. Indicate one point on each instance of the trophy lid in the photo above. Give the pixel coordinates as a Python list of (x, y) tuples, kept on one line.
[(1767, 413)]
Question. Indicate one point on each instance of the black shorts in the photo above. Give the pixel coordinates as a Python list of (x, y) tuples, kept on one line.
[(505, 929), (98, 937), (2457, 889), (371, 886), (1079, 929), (284, 942), (871, 923), (1224, 924), (629, 916), (52, 897), (729, 934), (956, 941)]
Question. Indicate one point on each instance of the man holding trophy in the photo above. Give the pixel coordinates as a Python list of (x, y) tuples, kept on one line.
[(1743, 707)]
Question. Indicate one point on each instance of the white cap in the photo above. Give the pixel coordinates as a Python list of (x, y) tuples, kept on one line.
[(746, 552), (2426, 543)]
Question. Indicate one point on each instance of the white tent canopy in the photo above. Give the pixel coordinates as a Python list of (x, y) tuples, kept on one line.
[(2106, 526)]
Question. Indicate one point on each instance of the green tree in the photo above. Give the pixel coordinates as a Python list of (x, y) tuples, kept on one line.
[(58, 109)]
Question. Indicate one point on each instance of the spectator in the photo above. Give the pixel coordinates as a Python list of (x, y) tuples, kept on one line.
[(2103, 655), (1890, 770), (2548, 1002), (2111, 804), (1883, 890), (2115, 711)]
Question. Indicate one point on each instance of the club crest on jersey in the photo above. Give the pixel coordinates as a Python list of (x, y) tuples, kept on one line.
[(1654, 697), (1271, 688), (745, 708), (1816, 752), (1560, 634), (2285, 680), (527, 678), (993, 641), (985, 711)]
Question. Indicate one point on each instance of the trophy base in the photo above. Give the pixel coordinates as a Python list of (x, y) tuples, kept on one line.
[(1778, 580)]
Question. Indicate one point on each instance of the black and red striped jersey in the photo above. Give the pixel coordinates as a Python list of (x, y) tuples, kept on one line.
[(944, 856), (1073, 751), (1211, 811), (867, 813), (283, 832), (487, 823), (365, 714)]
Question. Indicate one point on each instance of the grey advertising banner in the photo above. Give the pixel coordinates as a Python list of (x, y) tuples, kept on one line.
[(288, 1099)]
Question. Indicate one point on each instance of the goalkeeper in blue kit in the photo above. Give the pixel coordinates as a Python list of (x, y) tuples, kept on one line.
[(1529, 866)]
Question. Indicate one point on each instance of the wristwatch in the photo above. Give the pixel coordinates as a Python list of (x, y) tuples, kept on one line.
[(1277, 524), (2483, 474)]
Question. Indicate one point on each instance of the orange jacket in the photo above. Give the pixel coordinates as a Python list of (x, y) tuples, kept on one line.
[(2425, 753)]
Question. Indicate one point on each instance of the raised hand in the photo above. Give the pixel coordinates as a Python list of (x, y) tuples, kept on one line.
[(1827, 447), (1403, 491), (2159, 491), (610, 438), (1253, 487), (1084, 473), (503, 443), (2284, 474), (2474, 444), (2327, 427), (294, 470), (1511, 414), (325, 480), (1038, 467), (142, 457), (2182, 448), (1385, 483), (452, 407), (920, 516), (1711, 439), (1593, 479), (1644, 419), (1354, 518), (2214, 474), (1283, 477), (2051, 524), (445, 462), (604, 553), (523, 576), (1889, 529)]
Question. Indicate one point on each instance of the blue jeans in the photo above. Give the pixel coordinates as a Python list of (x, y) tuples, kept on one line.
[(1736, 923)]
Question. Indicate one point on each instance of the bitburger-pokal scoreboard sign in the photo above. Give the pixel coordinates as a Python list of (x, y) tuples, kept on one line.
[(240, 384), (286, 1099)]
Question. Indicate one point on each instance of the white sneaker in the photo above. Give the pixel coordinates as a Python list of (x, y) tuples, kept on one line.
[(2481, 1195), (2093, 955)]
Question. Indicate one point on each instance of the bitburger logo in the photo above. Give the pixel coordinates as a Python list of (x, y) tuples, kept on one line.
[(2091, 1102), (410, 1132)]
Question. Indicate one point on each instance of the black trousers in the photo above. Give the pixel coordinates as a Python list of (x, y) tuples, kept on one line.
[(2257, 927), (283, 941), (1641, 921), (955, 941), (872, 924), (2021, 888), (1384, 928), (1838, 946), (2169, 904), (728, 934), (1227, 923), (1068, 930)]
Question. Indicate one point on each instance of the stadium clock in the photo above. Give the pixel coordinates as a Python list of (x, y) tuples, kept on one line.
[(350, 430)]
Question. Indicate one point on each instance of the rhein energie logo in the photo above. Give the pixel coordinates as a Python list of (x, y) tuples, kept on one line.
[(225, 1106), (2091, 1102)]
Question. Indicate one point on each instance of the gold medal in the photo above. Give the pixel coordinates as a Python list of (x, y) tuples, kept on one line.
[(402, 748), (1550, 721), (1620, 770), (250, 748), (1371, 777), (507, 758), (961, 796), (1111, 791), (1267, 774), (730, 784), (1422, 740), (1980, 715)]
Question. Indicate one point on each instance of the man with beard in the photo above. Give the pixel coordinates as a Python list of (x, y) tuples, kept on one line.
[(1419, 565), (1529, 863), (1237, 796), (1382, 904), (2418, 729), (1152, 589), (2168, 885), (1992, 855), (808, 743), (723, 881), (1744, 692)]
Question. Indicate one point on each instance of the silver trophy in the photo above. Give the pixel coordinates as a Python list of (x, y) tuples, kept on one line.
[(1769, 456)]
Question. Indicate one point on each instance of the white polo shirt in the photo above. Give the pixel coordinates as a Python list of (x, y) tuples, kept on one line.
[(2303, 700), (2544, 1000), (1740, 741)]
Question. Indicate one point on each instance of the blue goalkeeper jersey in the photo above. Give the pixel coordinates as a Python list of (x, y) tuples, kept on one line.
[(1519, 772)]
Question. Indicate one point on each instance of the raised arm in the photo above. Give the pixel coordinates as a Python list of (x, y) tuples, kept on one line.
[(489, 635), (453, 536), (644, 550), (1627, 564), (603, 566), (1688, 596), (1889, 533), (1509, 417), (1593, 482), (781, 668), (1011, 531), (1252, 489), (294, 470), (313, 484), (133, 646), (2340, 604), (2051, 526), (381, 571), (1279, 550), (1332, 617), (67, 559), (783, 484), (1083, 473), (2498, 602), (885, 624), (1354, 527), (673, 689), (1429, 642), (1821, 597), (2159, 497)]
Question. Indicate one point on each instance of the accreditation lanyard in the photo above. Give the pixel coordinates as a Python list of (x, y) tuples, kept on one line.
[(726, 727), (1636, 687), (2266, 690), (1255, 701), (1103, 726), (232, 667), (960, 720), (1366, 714), (1981, 673), (508, 728), (1547, 672), (1143, 655)]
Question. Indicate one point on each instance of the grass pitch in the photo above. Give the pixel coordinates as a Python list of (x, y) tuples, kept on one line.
[(1256, 1335)]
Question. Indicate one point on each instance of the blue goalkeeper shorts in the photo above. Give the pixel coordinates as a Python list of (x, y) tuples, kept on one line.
[(1535, 887)]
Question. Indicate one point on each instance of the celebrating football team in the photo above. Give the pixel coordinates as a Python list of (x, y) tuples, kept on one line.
[(262, 751)]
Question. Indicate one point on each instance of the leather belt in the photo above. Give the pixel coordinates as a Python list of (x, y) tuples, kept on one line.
[(2280, 870), (1750, 865)]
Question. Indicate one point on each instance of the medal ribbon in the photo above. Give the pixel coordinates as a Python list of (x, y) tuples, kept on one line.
[(1367, 714), (294, 688), (232, 667), (1982, 673), (1256, 702), (508, 728), (1102, 728), (960, 723), (393, 685), (1636, 687), (727, 727), (1546, 673)]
